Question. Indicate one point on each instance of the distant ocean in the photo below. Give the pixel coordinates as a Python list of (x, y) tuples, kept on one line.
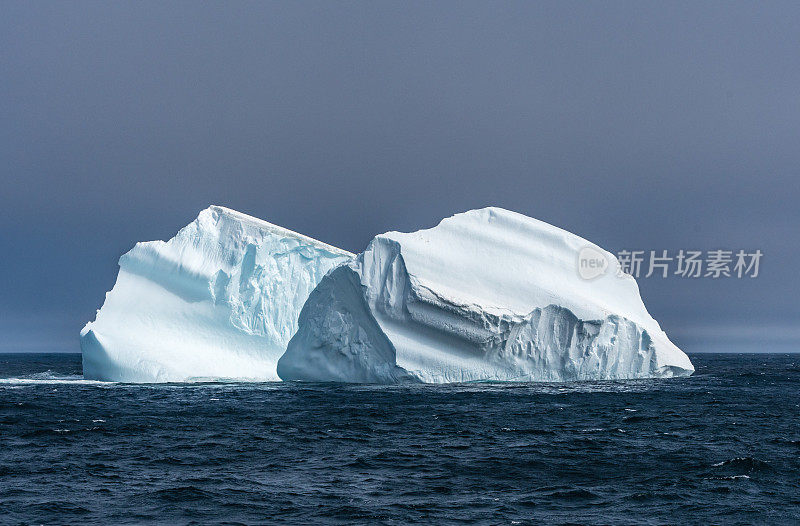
[(720, 447)]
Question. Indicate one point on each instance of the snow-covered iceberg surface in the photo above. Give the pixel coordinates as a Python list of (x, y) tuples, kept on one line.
[(219, 300), (485, 295)]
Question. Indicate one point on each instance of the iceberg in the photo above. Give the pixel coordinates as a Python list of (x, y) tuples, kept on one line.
[(487, 295), (220, 300)]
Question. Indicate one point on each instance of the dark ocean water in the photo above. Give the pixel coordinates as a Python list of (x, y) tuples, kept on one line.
[(721, 447)]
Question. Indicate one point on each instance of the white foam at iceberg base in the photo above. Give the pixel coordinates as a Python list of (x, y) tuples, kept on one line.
[(220, 300), (487, 295)]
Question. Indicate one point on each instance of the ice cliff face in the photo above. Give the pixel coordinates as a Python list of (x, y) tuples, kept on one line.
[(485, 295), (219, 300)]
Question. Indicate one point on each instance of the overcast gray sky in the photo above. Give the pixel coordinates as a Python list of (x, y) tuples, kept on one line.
[(637, 125)]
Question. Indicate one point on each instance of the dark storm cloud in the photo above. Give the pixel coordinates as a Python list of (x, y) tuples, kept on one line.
[(635, 125)]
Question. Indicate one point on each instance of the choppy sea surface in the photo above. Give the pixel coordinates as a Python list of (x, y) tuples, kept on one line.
[(720, 447)]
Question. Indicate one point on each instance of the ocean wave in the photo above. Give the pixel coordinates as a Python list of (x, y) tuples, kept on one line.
[(747, 464), (49, 377)]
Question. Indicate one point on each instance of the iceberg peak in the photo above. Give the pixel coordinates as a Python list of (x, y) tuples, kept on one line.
[(218, 300), (485, 295)]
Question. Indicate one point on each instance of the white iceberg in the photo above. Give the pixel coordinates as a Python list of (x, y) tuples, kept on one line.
[(487, 295), (220, 300)]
